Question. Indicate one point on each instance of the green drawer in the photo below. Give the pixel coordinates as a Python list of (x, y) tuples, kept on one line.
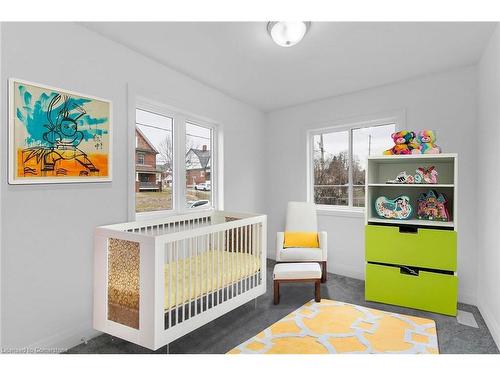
[(428, 291), (426, 248)]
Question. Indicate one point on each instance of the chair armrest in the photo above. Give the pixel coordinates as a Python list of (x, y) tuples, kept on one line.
[(323, 244), (280, 239)]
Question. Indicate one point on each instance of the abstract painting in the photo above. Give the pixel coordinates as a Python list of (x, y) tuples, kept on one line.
[(57, 136)]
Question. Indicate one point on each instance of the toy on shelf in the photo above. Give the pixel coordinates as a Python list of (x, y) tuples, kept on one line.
[(422, 176), (402, 178), (432, 206), (404, 143), (426, 139), (427, 176), (398, 208)]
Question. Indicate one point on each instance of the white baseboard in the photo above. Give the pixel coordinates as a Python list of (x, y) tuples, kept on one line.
[(64, 340), (490, 320), (345, 270), (466, 297)]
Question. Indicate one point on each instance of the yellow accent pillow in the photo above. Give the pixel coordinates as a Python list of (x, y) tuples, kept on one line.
[(301, 239)]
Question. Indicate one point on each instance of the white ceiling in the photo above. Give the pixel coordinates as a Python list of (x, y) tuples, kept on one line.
[(334, 58)]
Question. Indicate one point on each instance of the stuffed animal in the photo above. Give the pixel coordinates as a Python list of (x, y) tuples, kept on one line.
[(404, 143), (426, 139), (427, 176)]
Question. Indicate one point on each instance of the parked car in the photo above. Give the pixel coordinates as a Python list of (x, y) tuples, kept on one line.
[(200, 203), (205, 186)]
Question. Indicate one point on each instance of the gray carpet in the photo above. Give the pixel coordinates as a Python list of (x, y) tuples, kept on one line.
[(226, 332)]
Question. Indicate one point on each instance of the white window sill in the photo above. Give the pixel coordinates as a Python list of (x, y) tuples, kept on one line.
[(340, 212)]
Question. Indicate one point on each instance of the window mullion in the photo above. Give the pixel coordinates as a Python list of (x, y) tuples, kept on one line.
[(180, 163), (350, 187)]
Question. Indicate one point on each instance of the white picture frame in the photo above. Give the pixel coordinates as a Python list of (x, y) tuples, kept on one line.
[(44, 151)]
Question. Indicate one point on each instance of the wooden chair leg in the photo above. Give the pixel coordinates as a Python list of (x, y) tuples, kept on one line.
[(317, 291), (323, 272), (276, 292)]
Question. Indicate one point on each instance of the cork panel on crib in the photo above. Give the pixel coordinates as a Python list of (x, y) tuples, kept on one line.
[(123, 282)]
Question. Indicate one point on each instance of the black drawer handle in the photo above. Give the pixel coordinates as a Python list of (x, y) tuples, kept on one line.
[(408, 271), (412, 230)]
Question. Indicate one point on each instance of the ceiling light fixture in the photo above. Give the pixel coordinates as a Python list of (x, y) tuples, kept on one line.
[(287, 34)]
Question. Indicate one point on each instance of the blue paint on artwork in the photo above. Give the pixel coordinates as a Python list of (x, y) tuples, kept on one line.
[(47, 112)]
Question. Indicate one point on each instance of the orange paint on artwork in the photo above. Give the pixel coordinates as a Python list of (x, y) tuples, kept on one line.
[(73, 165)]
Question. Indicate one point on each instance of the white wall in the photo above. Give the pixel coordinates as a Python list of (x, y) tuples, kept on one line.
[(488, 181), (444, 102), (47, 230)]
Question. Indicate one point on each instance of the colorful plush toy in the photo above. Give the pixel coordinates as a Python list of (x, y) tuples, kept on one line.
[(404, 143), (426, 139), (422, 176), (427, 176), (433, 206), (397, 208)]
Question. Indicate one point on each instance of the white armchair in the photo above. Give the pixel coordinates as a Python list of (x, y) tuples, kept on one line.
[(301, 217)]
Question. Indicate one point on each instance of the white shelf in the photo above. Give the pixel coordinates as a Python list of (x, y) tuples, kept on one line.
[(403, 158), (429, 223), (383, 168), (415, 185)]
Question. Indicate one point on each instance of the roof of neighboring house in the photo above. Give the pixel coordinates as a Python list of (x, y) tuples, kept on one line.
[(146, 168), (203, 157), (143, 136)]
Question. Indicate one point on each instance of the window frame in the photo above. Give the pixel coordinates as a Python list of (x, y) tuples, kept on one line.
[(179, 120), (397, 118)]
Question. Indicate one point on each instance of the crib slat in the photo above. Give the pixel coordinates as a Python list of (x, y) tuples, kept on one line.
[(257, 233), (241, 248), (184, 264), (176, 282), (196, 276), (225, 295), (217, 283), (238, 260), (212, 279), (233, 265), (170, 269), (200, 253), (242, 259), (250, 258), (250, 249), (253, 254), (207, 254), (190, 293), (247, 263), (235, 268)]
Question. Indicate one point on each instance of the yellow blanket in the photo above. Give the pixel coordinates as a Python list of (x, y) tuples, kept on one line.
[(185, 279), (198, 275)]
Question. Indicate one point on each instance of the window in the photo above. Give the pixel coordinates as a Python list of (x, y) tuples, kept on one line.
[(154, 155), (338, 161), (169, 145), (198, 164)]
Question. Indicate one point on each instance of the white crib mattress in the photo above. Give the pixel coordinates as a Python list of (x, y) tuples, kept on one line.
[(197, 275)]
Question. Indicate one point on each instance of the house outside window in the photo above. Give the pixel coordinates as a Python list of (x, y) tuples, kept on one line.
[(337, 161), (198, 165), (153, 134)]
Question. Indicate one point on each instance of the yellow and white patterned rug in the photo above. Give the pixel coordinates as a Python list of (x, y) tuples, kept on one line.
[(338, 327)]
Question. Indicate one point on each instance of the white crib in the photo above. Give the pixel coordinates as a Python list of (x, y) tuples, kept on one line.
[(156, 280)]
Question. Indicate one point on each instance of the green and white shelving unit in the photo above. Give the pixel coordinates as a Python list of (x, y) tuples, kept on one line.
[(411, 263)]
